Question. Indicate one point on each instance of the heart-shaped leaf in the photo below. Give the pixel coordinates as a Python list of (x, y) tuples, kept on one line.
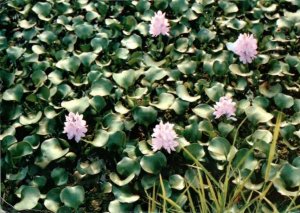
[(257, 115), (50, 150), (30, 196), (153, 163), (72, 196), (76, 105), (219, 148), (144, 115)]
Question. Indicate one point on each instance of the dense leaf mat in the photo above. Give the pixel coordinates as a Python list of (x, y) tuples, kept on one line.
[(97, 58)]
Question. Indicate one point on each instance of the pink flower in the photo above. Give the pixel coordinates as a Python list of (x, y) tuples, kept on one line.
[(245, 46), (164, 137), (225, 106), (159, 25), (75, 126)]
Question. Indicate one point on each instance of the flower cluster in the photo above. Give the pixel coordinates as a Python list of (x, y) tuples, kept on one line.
[(75, 126), (159, 25), (165, 137), (225, 106), (245, 47)]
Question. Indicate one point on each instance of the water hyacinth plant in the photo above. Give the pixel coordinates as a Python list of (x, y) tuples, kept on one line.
[(75, 126), (245, 47), (164, 137), (150, 106), (159, 24), (225, 106)]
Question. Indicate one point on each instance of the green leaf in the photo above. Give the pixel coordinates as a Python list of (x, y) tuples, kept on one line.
[(220, 68), (196, 150), (283, 101), (69, 40), (70, 64), (99, 44), (144, 115), (14, 53), (91, 15), (128, 166), (60, 176), (154, 163), (14, 94), (27, 24), (143, 5), (179, 6), (116, 179), (204, 111), (6, 78), (165, 100), (239, 70), (87, 58), (257, 115), (20, 149), (154, 74), (38, 77), (192, 133), (116, 206), (182, 44), (64, 209), (122, 53), (262, 135), (228, 7), (113, 122), (236, 24), (216, 92), (52, 201), (30, 197), (116, 141), (76, 105), (278, 68), (132, 42), (129, 23), (8, 141), (56, 77), (269, 90), (261, 101), (205, 35), (20, 175), (162, 4), (121, 109), (151, 63), (290, 175), (98, 103), (101, 138), (48, 37), (101, 87), (219, 148), (187, 67), (72, 196), (50, 151), (42, 9), (124, 194), (176, 182), (33, 140), (3, 43), (180, 106), (182, 93), (84, 31), (90, 168), (125, 78), (245, 159), (31, 118), (225, 129)]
